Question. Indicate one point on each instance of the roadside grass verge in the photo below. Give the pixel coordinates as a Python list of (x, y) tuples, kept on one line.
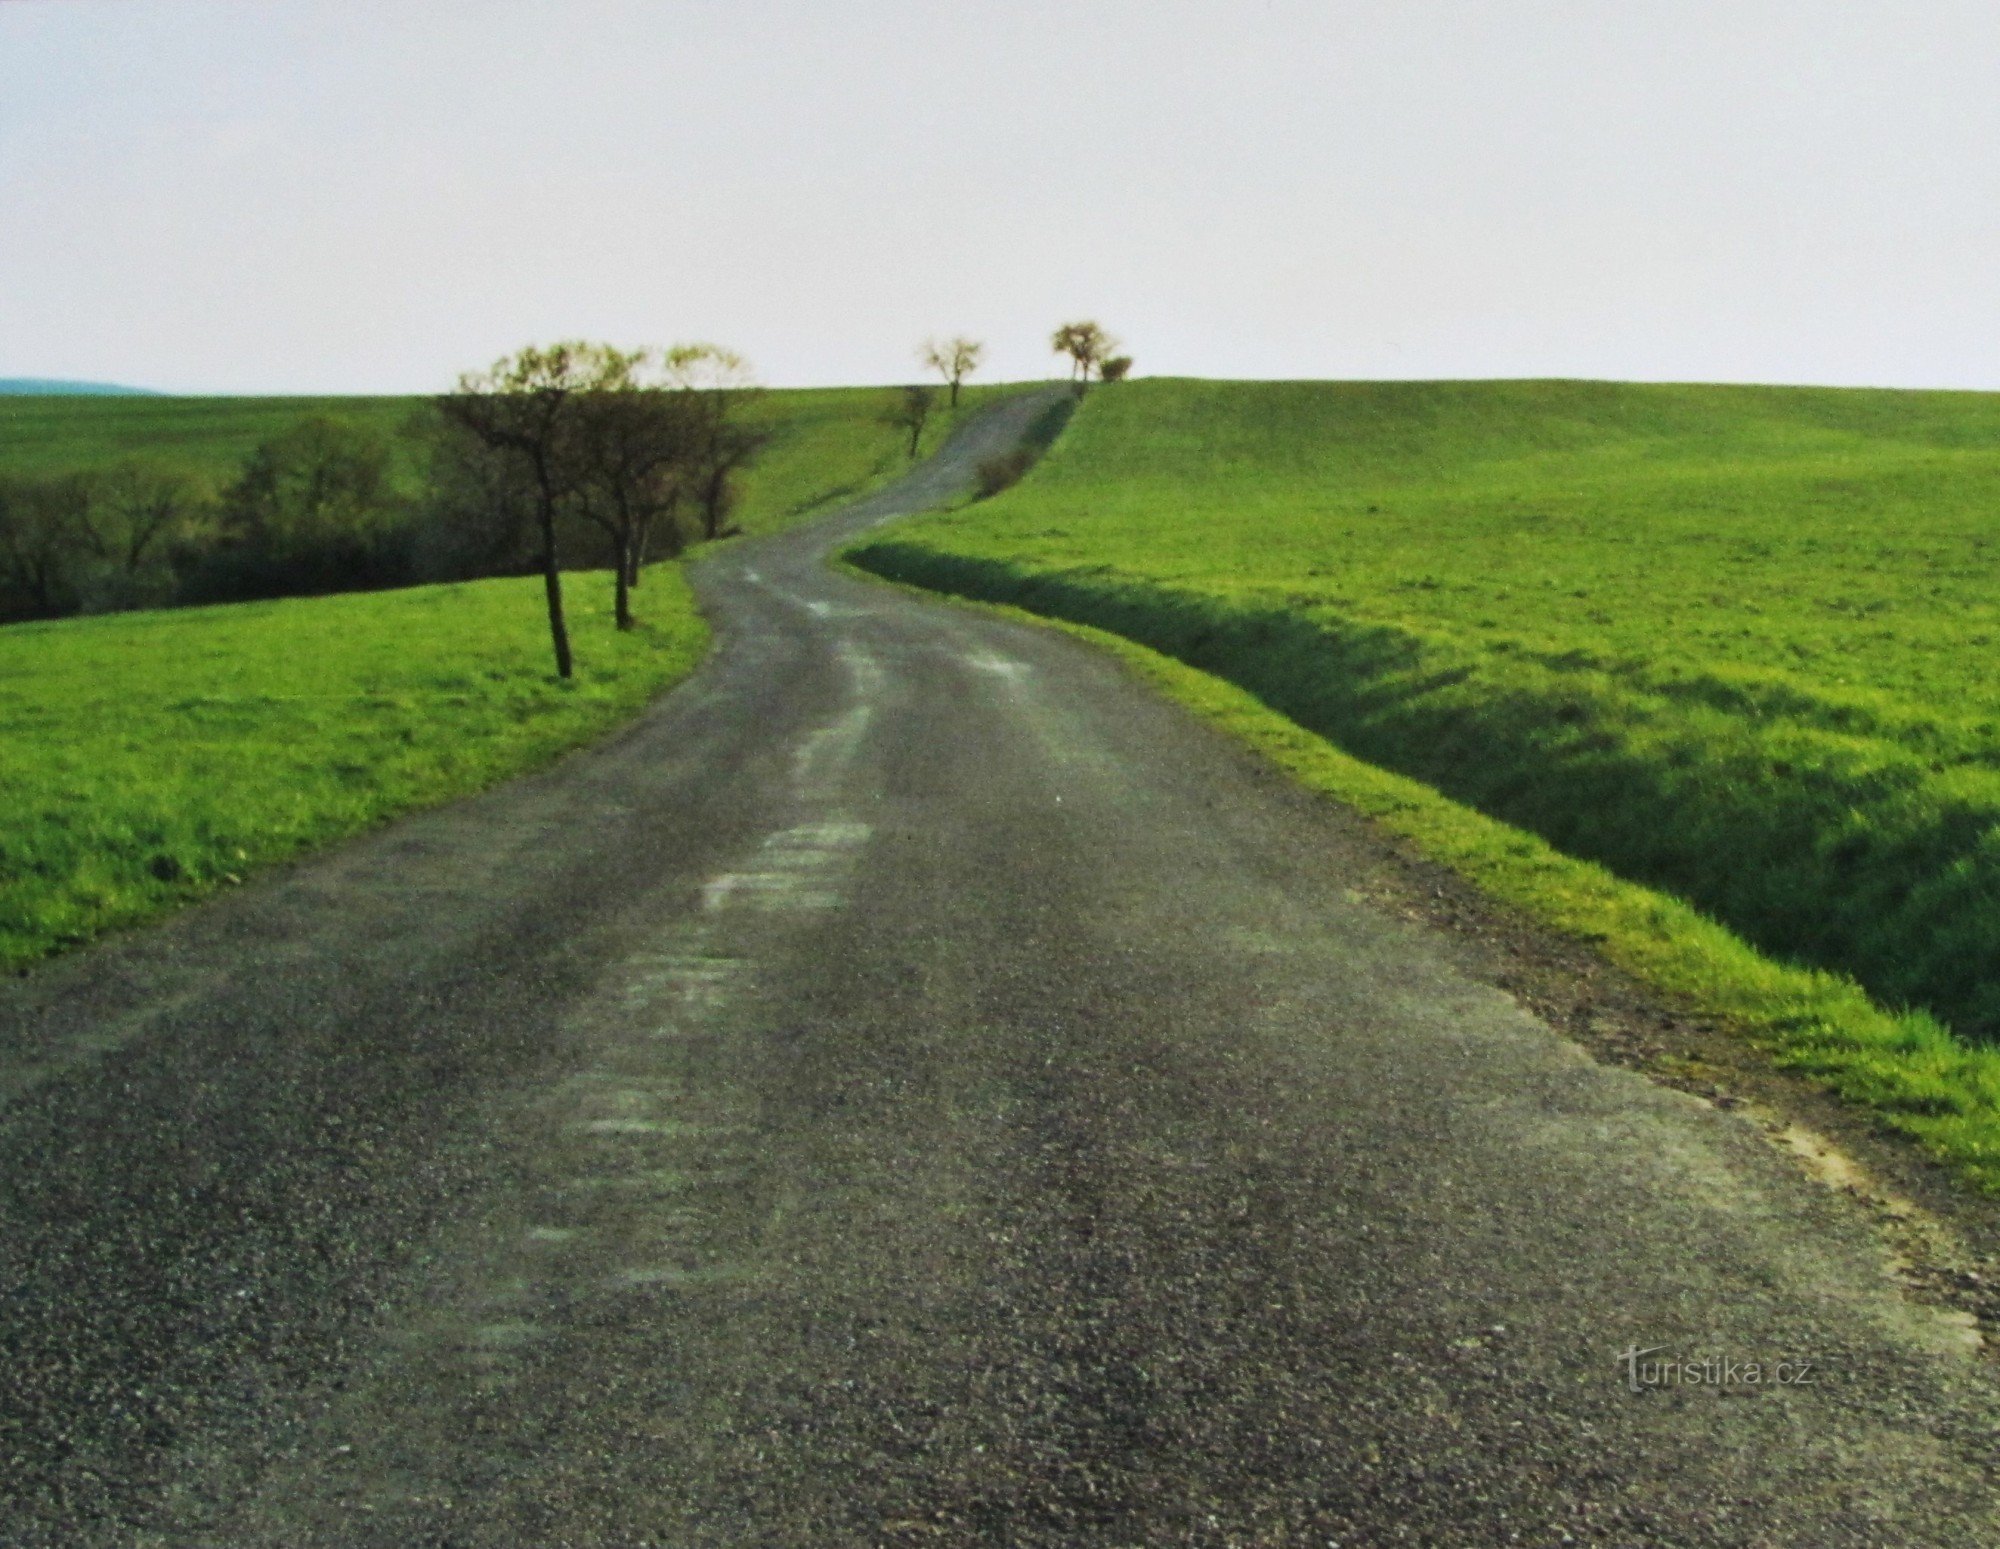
[(1727, 644), (148, 759)]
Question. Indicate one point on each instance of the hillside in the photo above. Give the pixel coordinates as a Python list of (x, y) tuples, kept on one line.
[(826, 443), (1733, 643)]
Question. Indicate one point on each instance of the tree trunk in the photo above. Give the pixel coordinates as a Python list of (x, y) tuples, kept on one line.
[(552, 585), (636, 558), (711, 505), (954, 392), (622, 609)]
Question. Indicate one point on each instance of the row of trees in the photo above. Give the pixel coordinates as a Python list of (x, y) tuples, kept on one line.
[(579, 452), (622, 440), (93, 540), (574, 454), (1092, 353)]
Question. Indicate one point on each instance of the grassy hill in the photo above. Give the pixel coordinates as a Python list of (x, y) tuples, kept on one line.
[(827, 443), (1732, 643)]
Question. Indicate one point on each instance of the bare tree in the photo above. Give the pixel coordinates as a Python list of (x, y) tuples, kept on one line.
[(636, 443), (523, 407), (719, 387), (661, 519), (136, 508), (1087, 345), (953, 359), (911, 411), (731, 449)]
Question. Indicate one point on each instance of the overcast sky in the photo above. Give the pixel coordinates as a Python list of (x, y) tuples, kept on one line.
[(349, 196)]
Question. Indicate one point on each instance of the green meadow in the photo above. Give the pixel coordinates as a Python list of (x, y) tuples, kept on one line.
[(826, 444), (1733, 644), (150, 758)]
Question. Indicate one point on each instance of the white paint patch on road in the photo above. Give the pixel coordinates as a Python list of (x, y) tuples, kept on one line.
[(687, 984), (997, 666), (800, 869), (825, 757)]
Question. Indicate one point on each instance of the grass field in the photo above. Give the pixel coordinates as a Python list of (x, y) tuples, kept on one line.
[(1731, 643), (827, 443), (210, 436), (150, 758)]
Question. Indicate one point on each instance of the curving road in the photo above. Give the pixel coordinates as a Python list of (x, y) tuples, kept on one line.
[(912, 1088)]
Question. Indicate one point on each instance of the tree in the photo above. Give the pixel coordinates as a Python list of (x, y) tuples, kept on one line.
[(312, 510), (478, 505), (635, 443), (953, 359), (719, 387), (318, 478), (1087, 346), (1115, 369), (137, 516), (523, 407), (137, 508), (911, 411), (728, 449), (42, 522)]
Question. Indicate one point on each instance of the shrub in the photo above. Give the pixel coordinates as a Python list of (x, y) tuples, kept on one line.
[(1004, 471), (313, 511)]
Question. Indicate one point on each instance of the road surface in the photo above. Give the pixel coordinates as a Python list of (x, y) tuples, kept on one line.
[(913, 1087)]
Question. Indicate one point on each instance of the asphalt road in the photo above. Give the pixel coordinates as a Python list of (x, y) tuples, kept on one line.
[(914, 1087)]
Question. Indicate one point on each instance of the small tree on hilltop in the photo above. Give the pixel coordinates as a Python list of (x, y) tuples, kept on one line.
[(1116, 369), (953, 359), (1087, 345)]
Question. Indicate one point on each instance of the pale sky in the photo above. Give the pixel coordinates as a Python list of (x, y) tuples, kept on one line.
[(352, 196)]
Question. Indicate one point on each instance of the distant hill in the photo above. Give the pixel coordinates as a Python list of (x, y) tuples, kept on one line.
[(34, 384)]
